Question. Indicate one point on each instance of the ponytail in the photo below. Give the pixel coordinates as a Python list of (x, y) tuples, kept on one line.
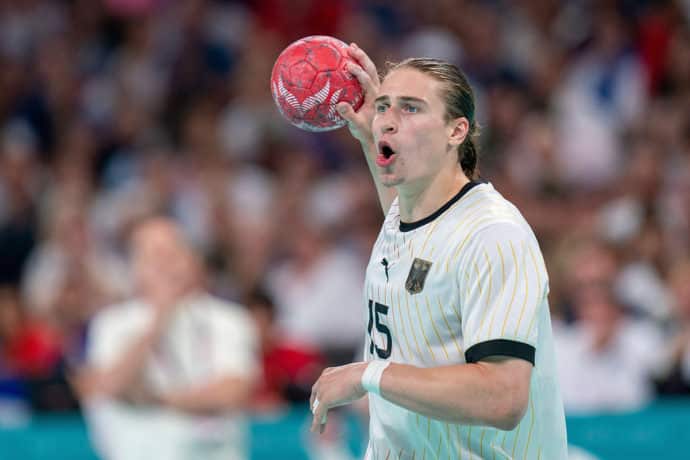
[(468, 158), (468, 155)]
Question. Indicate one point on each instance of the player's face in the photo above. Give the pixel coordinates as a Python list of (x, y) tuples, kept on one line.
[(410, 129)]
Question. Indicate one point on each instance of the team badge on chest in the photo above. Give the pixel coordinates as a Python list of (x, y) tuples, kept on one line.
[(417, 276)]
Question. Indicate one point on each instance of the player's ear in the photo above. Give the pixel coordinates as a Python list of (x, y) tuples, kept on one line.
[(458, 130)]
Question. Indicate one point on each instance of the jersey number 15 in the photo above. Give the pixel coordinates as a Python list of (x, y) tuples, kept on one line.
[(376, 311)]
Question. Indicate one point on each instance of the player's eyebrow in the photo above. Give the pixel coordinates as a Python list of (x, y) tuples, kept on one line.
[(381, 99), (416, 100)]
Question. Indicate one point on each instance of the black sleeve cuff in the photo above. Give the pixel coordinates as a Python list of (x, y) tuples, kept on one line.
[(500, 347)]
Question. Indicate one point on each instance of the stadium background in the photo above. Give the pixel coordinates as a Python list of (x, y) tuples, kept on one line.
[(110, 110)]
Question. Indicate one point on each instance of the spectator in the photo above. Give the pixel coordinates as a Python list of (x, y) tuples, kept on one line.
[(605, 359), (674, 374), (289, 369), (30, 358), (69, 244), (19, 190), (170, 371), (314, 290)]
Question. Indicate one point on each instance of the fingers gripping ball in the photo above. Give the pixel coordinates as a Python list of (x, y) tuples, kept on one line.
[(309, 78)]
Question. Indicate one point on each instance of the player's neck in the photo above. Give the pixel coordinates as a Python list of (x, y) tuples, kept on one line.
[(422, 199)]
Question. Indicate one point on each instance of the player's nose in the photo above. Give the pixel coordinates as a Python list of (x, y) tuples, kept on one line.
[(388, 125)]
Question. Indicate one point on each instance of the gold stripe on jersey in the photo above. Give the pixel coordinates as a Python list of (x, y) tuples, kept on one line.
[(536, 310), (456, 254), (433, 326), (515, 440), (474, 205), (410, 247), (539, 454), (431, 230), (440, 219), (450, 442), (503, 288), (428, 429), (466, 222), (410, 352), (432, 248), (450, 330), (426, 339), (524, 303), (428, 436), (395, 314), (457, 313), (476, 271), (469, 442), (481, 443), (374, 331), (531, 426), (477, 223), (458, 440), (483, 217), (512, 297), (490, 271), (412, 329), (391, 312), (473, 230)]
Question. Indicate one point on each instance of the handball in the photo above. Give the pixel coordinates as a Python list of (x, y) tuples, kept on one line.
[(309, 78)]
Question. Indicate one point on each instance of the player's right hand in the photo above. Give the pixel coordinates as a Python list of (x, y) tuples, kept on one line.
[(359, 122)]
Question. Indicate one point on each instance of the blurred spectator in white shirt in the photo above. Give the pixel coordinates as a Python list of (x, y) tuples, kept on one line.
[(169, 372), (605, 359)]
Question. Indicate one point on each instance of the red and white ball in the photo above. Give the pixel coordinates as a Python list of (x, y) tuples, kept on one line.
[(309, 78)]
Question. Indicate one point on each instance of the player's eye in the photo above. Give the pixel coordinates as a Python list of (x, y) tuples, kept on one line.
[(410, 108), (380, 108)]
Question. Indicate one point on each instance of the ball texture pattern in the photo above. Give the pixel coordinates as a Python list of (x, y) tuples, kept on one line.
[(309, 78)]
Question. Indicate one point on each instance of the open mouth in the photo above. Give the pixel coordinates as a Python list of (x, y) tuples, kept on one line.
[(386, 154)]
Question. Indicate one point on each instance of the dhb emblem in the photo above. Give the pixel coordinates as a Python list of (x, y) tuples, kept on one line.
[(417, 276)]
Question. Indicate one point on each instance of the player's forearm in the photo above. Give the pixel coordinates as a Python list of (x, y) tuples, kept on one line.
[(493, 394), (231, 393), (386, 194)]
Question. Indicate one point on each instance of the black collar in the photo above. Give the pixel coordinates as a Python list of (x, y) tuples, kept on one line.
[(408, 226)]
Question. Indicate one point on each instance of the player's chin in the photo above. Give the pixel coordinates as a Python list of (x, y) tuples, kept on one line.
[(389, 179)]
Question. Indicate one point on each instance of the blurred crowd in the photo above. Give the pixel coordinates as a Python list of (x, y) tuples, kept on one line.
[(114, 110)]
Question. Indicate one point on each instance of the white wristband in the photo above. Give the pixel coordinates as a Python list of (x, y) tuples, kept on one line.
[(371, 379)]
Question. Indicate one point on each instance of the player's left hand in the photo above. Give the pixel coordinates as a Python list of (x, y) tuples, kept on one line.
[(335, 387)]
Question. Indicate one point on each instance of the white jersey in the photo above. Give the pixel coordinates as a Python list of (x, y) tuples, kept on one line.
[(463, 284)]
